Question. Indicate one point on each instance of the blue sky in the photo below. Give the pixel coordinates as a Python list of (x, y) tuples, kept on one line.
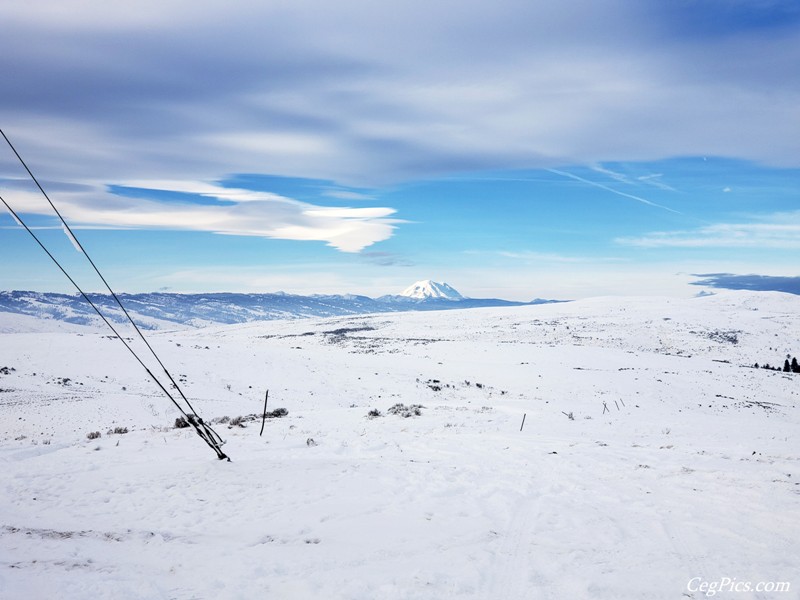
[(519, 150)]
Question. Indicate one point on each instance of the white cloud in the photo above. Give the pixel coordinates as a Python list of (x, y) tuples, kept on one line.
[(346, 195), (337, 91), (207, 190), (551, 257), (781, 232), (244, 213)]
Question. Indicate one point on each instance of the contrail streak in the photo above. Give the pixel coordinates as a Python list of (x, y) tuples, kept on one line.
[(613, 191)]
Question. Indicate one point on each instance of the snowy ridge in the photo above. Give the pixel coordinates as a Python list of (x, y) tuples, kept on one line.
[(651, 451), (166, 310)]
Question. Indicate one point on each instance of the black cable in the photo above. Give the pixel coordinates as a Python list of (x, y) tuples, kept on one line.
[(82, 293), (206, 433), (96, 270)]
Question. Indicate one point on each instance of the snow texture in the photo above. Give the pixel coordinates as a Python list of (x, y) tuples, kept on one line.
[(652, 452)]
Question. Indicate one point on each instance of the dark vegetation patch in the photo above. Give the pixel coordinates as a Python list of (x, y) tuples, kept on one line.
[(346, 330), (414, 410), (243, 420), (720, 336)]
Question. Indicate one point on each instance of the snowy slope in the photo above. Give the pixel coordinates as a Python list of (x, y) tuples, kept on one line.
[(422, 290), (21, 323), (679, 461)]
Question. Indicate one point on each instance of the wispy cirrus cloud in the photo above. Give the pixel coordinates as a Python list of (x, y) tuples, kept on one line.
[(387, 259), (552, 257), (535, 257), (347, 195), (334, 90), (777, 231)]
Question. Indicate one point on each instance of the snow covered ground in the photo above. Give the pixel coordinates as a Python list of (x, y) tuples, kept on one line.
[(679, 461)]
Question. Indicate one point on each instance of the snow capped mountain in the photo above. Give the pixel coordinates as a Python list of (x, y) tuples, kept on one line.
[(164, 311), (423, 290)]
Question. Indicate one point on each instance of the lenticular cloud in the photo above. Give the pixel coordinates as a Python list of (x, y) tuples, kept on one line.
[(232, 211)]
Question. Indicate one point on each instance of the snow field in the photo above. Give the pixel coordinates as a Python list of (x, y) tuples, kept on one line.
[(691, 471)]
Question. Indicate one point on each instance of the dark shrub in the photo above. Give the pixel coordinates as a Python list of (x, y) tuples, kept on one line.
[(402, 410)]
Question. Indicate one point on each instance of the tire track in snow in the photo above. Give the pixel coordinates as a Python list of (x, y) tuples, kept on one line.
[(513, 567)]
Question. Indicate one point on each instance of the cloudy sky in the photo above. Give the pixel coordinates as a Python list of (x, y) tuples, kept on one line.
[(515, 148)]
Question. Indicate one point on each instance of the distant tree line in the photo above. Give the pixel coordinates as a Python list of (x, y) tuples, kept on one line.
[(788, 367)]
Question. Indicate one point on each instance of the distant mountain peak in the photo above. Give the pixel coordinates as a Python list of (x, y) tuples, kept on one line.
[(422, 290)]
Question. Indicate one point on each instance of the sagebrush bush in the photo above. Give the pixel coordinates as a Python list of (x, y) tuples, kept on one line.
[(402, 410), (93, 435)]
